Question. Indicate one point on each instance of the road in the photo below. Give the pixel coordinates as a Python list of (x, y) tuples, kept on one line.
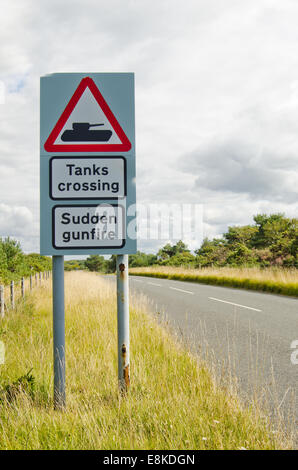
[(243, 332)]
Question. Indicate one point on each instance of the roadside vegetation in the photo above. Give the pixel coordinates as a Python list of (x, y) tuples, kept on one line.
[(175, 401), (14, 264), (262, 256), (271, 242), (274, 280)]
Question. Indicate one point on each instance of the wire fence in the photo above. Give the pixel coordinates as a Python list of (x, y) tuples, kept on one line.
[(16, 290)]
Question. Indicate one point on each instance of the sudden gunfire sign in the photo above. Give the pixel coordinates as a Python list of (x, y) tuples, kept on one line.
[(88, 226), (82, 115)]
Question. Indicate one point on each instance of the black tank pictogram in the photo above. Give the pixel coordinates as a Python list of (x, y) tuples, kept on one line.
[(81, 133)]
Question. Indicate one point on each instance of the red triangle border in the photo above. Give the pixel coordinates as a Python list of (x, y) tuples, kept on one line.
[(50, 145)]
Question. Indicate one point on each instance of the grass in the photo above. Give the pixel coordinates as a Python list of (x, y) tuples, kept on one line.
[(274, 280), (174, 401)]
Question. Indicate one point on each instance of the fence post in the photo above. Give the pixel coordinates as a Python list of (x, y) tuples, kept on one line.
[(12, 294), (23, 287), (39, 277), (2, 300), (123, 322), (30, 281)]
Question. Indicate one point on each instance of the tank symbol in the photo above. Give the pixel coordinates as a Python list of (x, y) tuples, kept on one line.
[(81, 133)]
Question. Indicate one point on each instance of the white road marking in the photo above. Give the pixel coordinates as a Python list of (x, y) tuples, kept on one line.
[(154, 284), (137, 280), (237, 305), (182, 290)]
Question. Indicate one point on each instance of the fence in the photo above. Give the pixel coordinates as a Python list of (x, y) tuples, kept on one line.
[(12, 293)]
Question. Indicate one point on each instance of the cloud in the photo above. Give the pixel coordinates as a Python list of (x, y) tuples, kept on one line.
[(216, 98), (241, 168), (15, 220)]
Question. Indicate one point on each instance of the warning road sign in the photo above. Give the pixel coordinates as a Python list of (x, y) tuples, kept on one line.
[(87, 124), (87, 200)]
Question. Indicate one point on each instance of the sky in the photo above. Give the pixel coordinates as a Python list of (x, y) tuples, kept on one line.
[(216, 101)]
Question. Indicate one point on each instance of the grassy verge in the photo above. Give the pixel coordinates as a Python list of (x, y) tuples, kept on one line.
[(276, 281), (174, 401)]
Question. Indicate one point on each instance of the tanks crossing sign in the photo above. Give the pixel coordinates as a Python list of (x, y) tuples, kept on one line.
[(87, 154)]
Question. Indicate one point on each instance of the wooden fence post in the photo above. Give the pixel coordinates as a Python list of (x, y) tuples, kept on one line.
[(2, 300), (12, 294), (23, 287)]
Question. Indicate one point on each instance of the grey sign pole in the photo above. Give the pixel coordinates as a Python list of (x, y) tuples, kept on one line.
[(59, 332), (123, 322)]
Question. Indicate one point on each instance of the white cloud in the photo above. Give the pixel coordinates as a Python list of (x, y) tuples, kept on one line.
[(208, 75), (15, 221)]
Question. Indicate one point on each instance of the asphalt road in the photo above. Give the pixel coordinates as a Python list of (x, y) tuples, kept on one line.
[(245, 333)]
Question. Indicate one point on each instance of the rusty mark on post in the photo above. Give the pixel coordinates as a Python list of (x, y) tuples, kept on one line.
[(125, 368), (126, 376)]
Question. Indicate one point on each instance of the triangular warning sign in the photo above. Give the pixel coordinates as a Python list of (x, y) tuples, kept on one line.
[(87, 124)]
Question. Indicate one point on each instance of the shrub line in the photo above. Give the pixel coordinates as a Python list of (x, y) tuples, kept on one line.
[(290, 289)]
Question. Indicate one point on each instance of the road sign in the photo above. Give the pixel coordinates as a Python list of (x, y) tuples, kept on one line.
[(87, 155), (87, 124), (81, 114)]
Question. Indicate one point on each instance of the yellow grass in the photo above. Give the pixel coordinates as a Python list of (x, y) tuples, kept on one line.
[(282, 281), (174, 401)]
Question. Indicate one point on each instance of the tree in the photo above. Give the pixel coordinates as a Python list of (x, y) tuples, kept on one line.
[(95, 263), (74, 265), (111, 264), (212, 253), (273, 240), (171, 250), (243, 235), (37, 263), (15, 259), (280, 234), (3, 263), (242, 256), (142, 259), (181, 259)]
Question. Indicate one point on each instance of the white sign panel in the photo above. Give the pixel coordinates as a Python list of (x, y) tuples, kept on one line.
[(87, 178), (89, 226)]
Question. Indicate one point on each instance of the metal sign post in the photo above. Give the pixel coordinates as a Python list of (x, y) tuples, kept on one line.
[(123, 322), (59, 332)]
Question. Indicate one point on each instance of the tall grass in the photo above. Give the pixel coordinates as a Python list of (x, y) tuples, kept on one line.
[(275, 280), (174, 401)]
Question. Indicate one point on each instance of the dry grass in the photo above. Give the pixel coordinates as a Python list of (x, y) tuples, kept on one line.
[(174, 401), (281, 281)]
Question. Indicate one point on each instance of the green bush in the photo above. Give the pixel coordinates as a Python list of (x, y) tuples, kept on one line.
[(14, 264)]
